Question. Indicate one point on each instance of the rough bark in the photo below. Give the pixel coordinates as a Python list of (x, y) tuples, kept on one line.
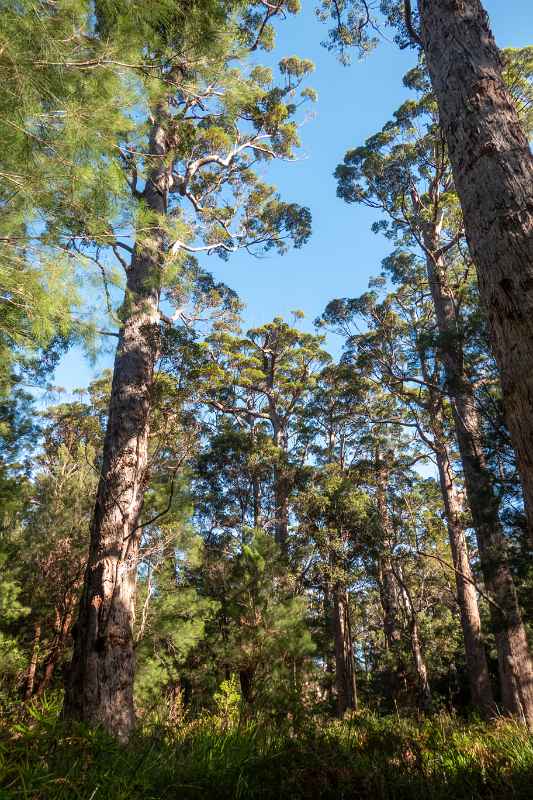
[(515, 668), (99, 688), (493, 173), (345, 682)]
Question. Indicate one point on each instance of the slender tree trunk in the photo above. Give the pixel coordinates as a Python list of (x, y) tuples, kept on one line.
[(476, 659), (515, 668), (416, 647), (32, 666), (388, 583), (281, 490), (57, 650), (344, 657), (99, 688), (493, 173)]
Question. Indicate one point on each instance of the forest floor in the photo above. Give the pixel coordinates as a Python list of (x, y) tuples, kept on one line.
[(365, 758)]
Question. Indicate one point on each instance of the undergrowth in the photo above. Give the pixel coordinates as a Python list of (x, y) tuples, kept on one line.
[(365, 758)]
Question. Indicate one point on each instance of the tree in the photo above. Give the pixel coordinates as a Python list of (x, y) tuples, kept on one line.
[(206, 125), (407, 175), (492, 168)]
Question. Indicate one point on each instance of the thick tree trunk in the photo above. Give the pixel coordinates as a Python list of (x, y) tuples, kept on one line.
[(99, 688), (493, 173), (345, 683), (515, 668)]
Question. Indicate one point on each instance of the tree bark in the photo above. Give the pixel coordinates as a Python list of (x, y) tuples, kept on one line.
[(58, 648), (515, 668), (493, 173), (345, 682), (388, 584), (32, 666), (416, 646), (99, 688), (476, 660)]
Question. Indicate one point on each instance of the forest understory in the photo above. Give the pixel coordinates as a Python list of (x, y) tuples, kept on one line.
[(224, 756)]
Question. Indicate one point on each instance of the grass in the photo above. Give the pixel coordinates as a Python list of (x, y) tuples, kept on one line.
[(364, 758)]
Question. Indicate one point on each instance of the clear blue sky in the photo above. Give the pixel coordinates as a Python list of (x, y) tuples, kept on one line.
[(343, 253)]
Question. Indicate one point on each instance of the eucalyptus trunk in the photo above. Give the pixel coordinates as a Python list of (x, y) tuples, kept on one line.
[(493, 174), (345, 682), (416, 647), (476, 659), (514, 662), (387, 580), (99, 688)]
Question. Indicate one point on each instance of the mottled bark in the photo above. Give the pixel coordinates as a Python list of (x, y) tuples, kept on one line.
[(99, 689), (515, 668), (493, 173), (345, 682)]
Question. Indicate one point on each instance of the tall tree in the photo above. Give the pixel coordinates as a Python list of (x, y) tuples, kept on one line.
[(206, 124), (407, 175)]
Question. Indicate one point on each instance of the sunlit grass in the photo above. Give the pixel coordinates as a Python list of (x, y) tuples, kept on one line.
[(366, 757)]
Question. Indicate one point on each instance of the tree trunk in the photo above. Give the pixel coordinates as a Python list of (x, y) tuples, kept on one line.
[(58, 648), (344, 657), (476, 660), (515, 668), (388, 584), (99, 689), (416, 647), (493, 173), (281, 489), (32, 666)]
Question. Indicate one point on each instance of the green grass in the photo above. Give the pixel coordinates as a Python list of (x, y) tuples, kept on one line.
[(366, 757)]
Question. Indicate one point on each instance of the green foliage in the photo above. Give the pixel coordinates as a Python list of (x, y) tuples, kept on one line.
[(384, 759)]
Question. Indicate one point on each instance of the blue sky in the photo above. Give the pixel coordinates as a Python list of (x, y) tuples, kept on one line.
[(353, 103)]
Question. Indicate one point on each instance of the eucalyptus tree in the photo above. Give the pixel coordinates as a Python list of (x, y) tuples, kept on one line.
[(200, 122), (267, 376), (398, 351), (332, 511), (404, 171), (487, 139)]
